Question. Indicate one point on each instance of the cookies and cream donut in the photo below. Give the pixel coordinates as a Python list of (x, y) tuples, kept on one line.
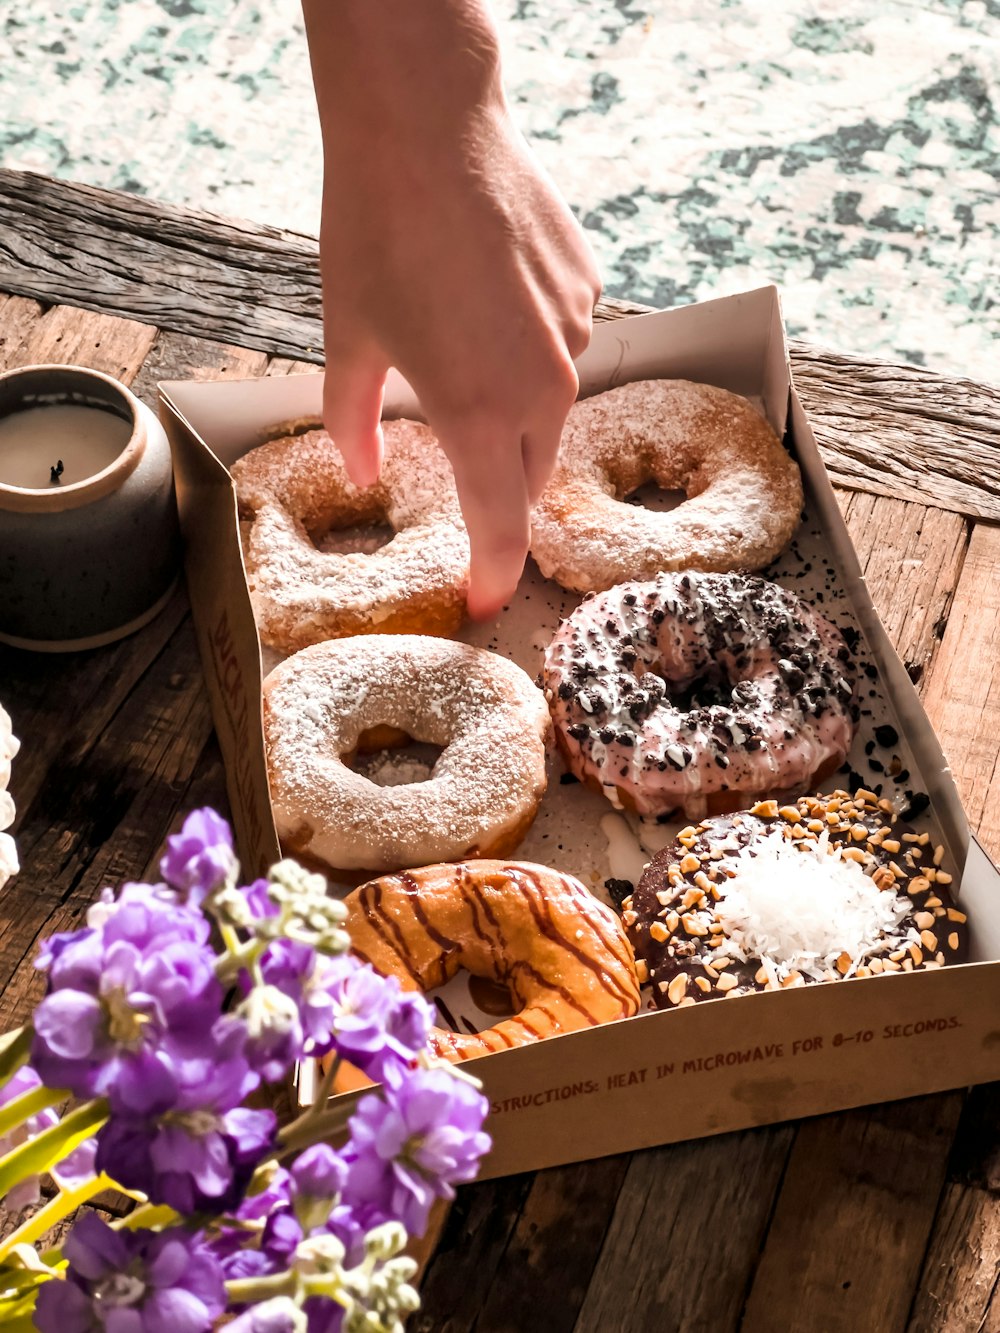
[(699, 692), (743, 491), (327, 701), (561, 955), (294, 490), (828, 887)]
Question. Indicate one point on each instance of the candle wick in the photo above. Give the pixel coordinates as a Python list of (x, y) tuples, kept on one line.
[(56, 472)]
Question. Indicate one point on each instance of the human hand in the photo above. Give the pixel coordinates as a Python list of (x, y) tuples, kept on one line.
[(447, 253)]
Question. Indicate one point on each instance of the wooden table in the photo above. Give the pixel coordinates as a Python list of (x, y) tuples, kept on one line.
[(879, 1219)]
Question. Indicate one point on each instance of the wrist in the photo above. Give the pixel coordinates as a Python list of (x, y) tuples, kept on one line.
[(409, 69)]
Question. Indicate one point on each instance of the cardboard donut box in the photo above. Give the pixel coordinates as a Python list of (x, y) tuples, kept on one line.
[(667, 1075)]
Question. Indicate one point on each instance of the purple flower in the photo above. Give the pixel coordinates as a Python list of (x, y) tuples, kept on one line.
[(348, 1006), (319, 1172), (126, 1000), (196, 1159), (280, 1315), (26, 1192), (413, 1144), (200, 858), (132, 1282)]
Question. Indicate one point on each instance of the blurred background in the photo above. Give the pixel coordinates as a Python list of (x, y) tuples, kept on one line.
[(848, 151)]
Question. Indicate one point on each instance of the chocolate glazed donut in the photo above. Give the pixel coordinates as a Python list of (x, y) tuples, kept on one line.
[(680, 918), (560, 954)]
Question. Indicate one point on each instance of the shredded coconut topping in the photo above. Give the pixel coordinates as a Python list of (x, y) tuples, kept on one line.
[(799, 906)]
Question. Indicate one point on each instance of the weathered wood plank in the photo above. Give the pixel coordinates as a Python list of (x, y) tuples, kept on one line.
[(960, 1284), (101, 810), (912, 556), (178, 356), (74, 337), (844, 1249), (963, 695), (567, 1213), (883, 428), (903, 431), (684, 1237), (862, 1188)]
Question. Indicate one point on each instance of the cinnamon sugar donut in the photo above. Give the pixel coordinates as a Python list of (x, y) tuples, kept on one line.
[(825, 888), (326, 702), (295, 489), (699, 692), (744, 493), (561, 955)]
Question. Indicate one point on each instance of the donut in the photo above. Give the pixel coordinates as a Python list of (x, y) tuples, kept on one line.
[(699, 692), (744, 493), (294, 490), (326, 702), (827, 888), (561, 955)]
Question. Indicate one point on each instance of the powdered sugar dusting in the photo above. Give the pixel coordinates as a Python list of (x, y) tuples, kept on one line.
[(485, 713), (305, 586), (744, 493)]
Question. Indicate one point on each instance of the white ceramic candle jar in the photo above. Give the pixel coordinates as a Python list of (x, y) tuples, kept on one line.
[(89, 545)]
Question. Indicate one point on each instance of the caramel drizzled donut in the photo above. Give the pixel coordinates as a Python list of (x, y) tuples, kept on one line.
[(561, 955), (295, 489), (744, 493), (699, 692), (325, 702), (829, 887)]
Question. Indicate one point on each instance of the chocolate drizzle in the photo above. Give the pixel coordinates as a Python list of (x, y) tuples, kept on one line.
[(559, 952)]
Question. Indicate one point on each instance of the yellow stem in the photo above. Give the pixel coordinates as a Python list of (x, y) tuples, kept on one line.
[(58, 1207)]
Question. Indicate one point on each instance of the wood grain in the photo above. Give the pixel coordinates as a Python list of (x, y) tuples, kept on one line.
[(854, 1174), (883, 428), (960, 1284), (911, 556)]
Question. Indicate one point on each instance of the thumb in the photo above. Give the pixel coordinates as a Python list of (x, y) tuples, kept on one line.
[(353, 389)]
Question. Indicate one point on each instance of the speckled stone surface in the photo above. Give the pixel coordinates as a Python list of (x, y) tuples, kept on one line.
[(849, 151)]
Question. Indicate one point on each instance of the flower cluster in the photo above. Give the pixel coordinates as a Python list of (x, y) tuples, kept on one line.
[(164, 1033)]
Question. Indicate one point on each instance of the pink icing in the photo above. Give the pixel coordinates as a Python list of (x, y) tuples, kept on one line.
[(672, 692)]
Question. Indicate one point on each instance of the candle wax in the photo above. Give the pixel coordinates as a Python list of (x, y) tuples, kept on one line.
[(32, 441)]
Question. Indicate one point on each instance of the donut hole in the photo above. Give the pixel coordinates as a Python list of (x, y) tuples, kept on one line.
[(353, 538), (651, 495), (467, 1003), (388, 757)]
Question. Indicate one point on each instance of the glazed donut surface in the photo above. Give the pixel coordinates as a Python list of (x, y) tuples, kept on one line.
[(744, 493), (699, 692), (325, 701), (841, 890), (561, 955), (295, 489)]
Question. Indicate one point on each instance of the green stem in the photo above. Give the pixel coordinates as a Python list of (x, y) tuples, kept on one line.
[(154, 1216), (315, 1127), (325, 1086), (64, 1203), (15, 1047), (250, 1290), (29, 1103), (42, 1152)]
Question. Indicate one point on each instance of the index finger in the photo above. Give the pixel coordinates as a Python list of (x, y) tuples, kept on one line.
[(493, 493)]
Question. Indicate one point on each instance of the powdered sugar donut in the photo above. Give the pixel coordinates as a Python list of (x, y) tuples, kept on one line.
[(295, 489), (699, 692), (326, 702), (744, 493), (825, 888)]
